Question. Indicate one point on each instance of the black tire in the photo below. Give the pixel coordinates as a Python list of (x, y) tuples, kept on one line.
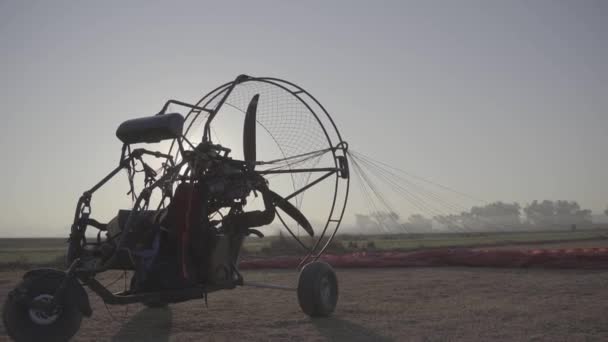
[(318, 289), (25, 324)]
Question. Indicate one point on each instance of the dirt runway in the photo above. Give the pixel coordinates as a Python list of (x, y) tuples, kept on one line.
[(413, 304)]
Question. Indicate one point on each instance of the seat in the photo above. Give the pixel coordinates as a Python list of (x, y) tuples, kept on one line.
[(151, 129)]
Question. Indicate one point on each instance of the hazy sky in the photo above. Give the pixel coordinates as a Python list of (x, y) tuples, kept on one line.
[(501, 99)]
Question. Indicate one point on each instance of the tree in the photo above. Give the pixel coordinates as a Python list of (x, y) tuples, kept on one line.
[(539, 214), (418, 224), (454, 222), (498, 215), (386, 221), (492, 216), (557, 213)]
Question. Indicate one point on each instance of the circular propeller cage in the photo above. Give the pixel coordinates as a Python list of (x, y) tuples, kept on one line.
[(297, 144)]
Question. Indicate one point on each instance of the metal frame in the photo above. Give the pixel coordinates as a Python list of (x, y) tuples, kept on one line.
[(226, 89), (86, 273)]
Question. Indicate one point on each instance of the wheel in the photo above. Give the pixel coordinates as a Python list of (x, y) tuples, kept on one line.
[(318, 289), (23, 323)]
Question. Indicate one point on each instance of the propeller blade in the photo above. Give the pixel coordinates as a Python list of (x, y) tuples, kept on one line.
[(292, 211), (249, 138)]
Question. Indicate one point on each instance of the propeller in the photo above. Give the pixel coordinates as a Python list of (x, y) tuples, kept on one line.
[(249, 154), (249, 139), (290, 210)]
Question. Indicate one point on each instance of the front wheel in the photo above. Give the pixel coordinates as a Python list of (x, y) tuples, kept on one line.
[(24, 323), (318, 289)]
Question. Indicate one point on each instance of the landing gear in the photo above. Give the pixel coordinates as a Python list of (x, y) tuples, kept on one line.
[(318, 289), (27, 322)]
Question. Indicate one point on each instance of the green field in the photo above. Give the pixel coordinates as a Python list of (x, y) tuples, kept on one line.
[(409, 242), (20, 252), (31, 250)]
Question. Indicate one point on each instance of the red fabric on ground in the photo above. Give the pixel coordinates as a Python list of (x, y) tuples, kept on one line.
[(588, 258)]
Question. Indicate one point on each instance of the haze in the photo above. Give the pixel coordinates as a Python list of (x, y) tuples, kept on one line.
[(503, 100)]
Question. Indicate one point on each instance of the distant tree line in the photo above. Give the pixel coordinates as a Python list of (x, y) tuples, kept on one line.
[(497, 216)]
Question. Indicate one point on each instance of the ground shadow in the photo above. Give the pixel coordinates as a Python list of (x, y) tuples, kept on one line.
[(147, 325), (337, 329)]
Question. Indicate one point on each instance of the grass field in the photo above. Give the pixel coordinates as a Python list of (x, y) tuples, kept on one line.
[(421, 241), (23, 252)]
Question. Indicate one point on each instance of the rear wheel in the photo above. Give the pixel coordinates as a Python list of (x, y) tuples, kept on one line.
[(318, 289), (24, 323)]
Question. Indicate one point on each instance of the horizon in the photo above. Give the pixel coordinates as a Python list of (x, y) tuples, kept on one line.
[(353, 228)]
